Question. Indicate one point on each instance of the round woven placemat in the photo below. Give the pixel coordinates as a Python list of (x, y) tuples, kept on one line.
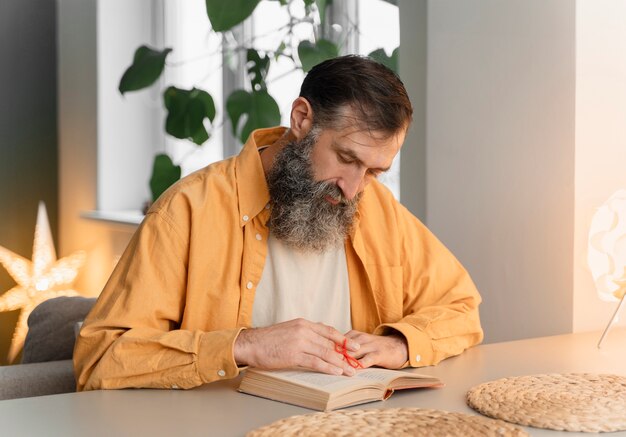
[(386, 422), (565, 402)]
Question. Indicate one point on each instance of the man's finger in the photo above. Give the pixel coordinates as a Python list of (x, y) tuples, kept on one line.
[(369, 360), (328, 349), (323, 341), (359, 337), (360, 353), (333, 357), (366, 348), (335, 336), (312, 362), (355, 335)]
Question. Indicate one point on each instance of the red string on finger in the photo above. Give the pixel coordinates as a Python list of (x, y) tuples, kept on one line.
[(353, 362)]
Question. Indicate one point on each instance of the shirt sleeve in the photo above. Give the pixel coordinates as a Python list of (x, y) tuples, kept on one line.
[(132, 336), (440, 301)]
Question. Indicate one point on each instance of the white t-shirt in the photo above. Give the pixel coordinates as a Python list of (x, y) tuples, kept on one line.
[(308, 285)]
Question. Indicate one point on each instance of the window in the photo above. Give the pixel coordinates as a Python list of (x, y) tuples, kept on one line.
[(379, 26), (197, 60)]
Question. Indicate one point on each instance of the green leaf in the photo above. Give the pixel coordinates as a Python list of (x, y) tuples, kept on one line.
[(312, 54), (164, 174), (207, 101), (257, 69), (225, 14), (259, 108), (146, 68), (237, 104), (390, 62), (395, 55), (280, 50), (197, 132), (187, 110)]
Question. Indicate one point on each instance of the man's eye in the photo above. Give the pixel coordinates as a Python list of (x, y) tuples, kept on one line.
[(373, 173), (345, 160)]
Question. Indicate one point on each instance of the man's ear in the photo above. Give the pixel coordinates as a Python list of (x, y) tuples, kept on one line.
[(301, 117)]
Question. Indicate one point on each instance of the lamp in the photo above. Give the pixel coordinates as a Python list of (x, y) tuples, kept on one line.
[(606, 254), (38, 280)]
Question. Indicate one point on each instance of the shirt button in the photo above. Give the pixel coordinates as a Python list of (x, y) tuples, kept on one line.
[(221, 373), (258, 237), (249, 285), (245, 218), (418, 358)]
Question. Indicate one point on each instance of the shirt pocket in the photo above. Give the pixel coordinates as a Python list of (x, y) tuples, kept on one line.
[(386, 283)]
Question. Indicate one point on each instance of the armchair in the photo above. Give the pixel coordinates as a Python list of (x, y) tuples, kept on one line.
[(46, 366)]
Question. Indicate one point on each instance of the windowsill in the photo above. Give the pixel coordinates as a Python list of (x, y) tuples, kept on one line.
[(125, 217)]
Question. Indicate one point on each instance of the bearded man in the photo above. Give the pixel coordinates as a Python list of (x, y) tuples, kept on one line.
[(291, 254)]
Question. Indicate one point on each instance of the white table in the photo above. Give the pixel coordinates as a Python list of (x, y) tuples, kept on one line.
[(219, 410)]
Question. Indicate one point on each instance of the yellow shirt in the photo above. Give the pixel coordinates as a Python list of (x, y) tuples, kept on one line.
[(184, 288)]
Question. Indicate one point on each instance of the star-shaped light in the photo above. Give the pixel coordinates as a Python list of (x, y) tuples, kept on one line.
[(38, 280)]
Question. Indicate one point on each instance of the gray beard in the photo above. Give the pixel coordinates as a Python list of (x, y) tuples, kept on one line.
[(301, 217)]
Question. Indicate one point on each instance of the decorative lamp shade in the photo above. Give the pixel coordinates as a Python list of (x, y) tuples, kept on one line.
[(38, 280), (607, 248)]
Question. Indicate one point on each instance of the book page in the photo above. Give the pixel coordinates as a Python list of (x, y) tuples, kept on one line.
[(330, 383), (398, 378), (383, 376), (386, 376), (320, 381)]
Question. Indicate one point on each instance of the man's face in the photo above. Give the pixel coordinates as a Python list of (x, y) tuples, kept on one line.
[(315, 184), (352, 157)]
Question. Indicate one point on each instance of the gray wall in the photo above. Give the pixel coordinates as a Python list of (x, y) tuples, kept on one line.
[(28, 132), (413, 72), (79, 112), (499, 134)]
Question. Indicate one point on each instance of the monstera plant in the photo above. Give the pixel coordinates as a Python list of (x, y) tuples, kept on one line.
[(191, 112)]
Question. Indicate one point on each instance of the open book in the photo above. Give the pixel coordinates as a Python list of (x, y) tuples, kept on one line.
[(319, 391)]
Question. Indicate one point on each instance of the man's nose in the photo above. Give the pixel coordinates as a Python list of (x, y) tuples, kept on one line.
[(351, 185)]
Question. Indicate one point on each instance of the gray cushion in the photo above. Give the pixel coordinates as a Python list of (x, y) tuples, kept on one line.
[(51, 328), (36, 379)]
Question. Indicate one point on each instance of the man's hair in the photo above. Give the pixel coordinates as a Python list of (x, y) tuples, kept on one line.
[(373, 92)]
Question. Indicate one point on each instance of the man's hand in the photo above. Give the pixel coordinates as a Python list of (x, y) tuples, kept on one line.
[(389, 351), (297, 343)]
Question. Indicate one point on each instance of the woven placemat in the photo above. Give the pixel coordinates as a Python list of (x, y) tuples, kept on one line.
[(385, 422), (565, 402)]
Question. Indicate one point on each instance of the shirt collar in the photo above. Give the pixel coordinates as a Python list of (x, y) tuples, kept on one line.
[(253, 194)]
